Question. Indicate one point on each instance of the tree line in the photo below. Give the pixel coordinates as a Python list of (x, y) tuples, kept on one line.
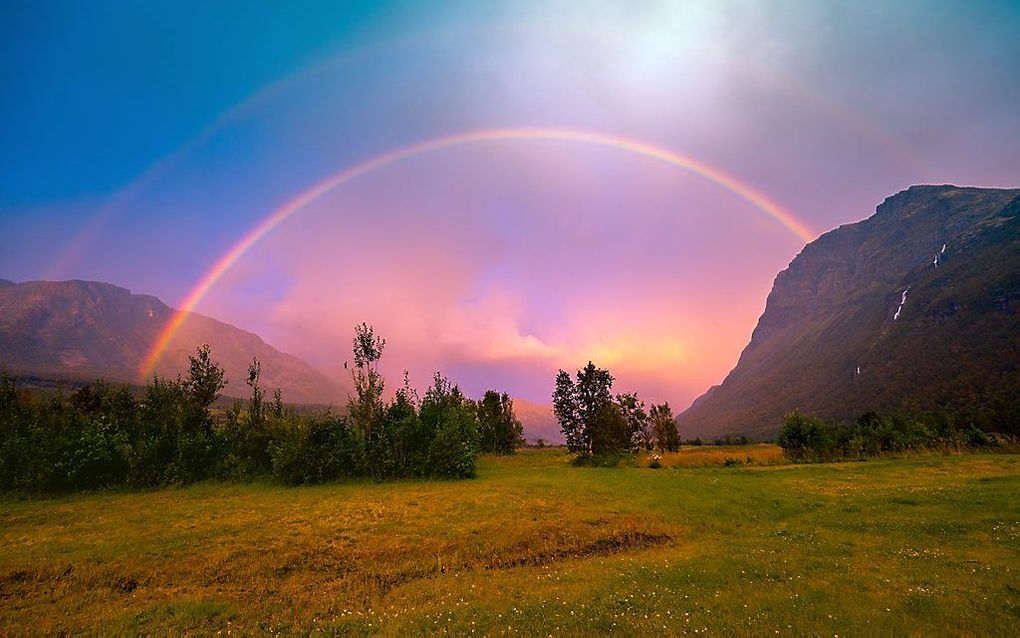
[(806, 438), (102, 435), (596, 423)]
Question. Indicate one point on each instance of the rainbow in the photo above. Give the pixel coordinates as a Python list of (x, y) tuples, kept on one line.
[(281, 214)]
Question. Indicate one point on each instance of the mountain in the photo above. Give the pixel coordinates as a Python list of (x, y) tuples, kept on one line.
[(87, 329), (538, 420), (914, 309)]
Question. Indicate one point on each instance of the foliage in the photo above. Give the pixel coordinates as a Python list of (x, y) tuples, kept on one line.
[(638, 424), (610, 430), (249, 437), (591, 422), (499, 429), (450, 423), (595, 424), (663, 425), (314, 449), (205, 379), (567, 412), (102, 436), (808, 438), (366, 406), (598, 459)]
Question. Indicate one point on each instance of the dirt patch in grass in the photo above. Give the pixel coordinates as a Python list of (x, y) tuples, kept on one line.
[(378, 578), (523, 554)]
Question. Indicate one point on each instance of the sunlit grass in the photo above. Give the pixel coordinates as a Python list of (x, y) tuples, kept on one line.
[(534, 546), (706, 455)]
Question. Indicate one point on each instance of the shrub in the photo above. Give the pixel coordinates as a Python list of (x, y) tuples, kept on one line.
[(602, 459), (316, 449), (103, 436), (499, 430), (978, 438), (450, 425), (806, 438), (96, 456)]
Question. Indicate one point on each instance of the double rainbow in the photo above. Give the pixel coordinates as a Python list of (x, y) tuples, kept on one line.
[(292, 207)]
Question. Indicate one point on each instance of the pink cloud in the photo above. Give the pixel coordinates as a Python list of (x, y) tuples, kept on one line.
[(495, 261)]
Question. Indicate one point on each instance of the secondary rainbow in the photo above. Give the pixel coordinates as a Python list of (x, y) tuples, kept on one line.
[(290, 208)]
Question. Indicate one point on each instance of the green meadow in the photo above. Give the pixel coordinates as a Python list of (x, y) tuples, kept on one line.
[(532, 546)]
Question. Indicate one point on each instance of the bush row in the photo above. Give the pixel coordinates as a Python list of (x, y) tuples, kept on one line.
[(805, 438), (102, 436)]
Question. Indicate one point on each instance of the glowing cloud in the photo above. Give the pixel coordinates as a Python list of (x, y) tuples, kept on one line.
[(281, 214)]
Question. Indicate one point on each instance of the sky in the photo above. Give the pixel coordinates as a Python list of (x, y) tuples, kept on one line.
[(621, 181)]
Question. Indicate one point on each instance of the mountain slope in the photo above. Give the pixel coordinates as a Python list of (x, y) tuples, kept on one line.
[(916, 308), (87, 329)]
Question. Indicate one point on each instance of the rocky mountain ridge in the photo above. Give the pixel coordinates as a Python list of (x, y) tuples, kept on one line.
[(916, 308), (86, 330)]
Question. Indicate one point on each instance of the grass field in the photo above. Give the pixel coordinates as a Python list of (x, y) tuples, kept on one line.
[(926, 545), (707, 455)]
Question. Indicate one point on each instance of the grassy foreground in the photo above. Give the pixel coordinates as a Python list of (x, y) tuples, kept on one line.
[(927, 545)]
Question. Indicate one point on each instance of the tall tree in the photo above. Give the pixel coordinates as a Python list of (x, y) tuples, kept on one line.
[(499, 429), (278, 403), (205, 379), (583, 410), (667, 437), (569, 414), (256, 405), (638, 426), (450, 423), (366, 407)]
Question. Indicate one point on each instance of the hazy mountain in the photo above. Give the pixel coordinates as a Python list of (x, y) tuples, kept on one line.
[(913, 309), (84, 329), (538, 420)]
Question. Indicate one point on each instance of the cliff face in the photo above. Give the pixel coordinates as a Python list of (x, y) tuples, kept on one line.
[(916, 308), (85, 329)]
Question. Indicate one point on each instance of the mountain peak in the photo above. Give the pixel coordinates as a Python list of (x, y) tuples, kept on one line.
[(87, 329), (914, 308)]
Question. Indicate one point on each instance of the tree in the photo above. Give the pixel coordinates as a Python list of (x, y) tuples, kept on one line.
[(667, 438), (638, 425), (568, 414), (205, 379), (256, 405), (590, 420), (366, 407), (500, 431), (610, 431), (249, 442), (803, 435), (278, 403), (450, 425), (397, 446)]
